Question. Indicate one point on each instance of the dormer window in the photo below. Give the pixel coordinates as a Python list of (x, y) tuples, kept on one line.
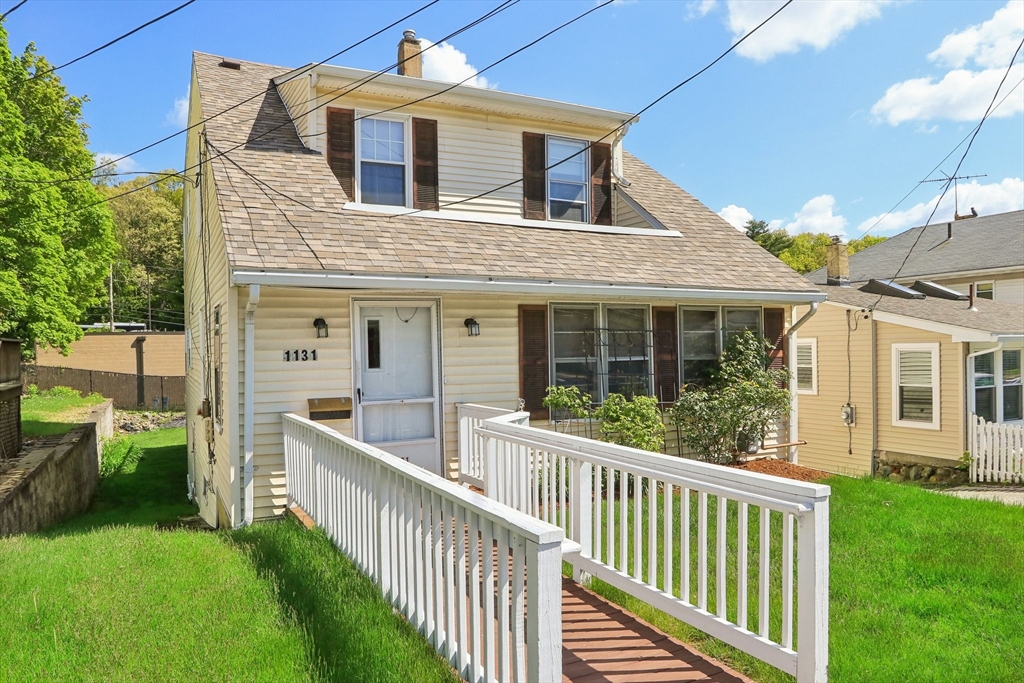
[(567, 181), (382, 162)]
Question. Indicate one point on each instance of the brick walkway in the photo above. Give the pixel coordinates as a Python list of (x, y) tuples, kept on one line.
[(601, 643)]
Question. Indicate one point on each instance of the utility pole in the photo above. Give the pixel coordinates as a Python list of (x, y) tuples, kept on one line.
[(149, 300), (111, 294)]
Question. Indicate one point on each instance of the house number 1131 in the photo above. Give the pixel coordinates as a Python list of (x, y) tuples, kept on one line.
[(300, 354)]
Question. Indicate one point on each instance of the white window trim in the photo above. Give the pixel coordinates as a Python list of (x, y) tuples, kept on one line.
[(586, 180), (406, 121), (935, 424), (813, 343), (985, 282), (602, 357)]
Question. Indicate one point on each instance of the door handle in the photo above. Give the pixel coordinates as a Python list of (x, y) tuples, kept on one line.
[(359, 395)]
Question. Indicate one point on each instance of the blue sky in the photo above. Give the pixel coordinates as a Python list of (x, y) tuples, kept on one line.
[(821, 122)]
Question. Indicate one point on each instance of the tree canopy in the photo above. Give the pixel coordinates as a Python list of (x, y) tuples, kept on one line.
[(804, 252), (56, 236), (774, 241)]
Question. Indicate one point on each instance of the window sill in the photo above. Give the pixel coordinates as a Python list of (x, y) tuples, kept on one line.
[(934, 426), (506, 219)]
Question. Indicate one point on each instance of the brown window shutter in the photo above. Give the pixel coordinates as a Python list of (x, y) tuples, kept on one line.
[(341, 148), (601, 183), (424, 164), (534, 177), (533, 359), (775, 334), (666, 354)]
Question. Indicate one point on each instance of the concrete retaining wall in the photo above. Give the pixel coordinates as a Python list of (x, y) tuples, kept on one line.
[(51, 484)]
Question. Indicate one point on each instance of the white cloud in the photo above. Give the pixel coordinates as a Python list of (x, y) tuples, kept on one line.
[(988, 199), (814, 24), (178, 115), (446, 63), (989, 44), (126, 165), (698, 9), (963, 94), (736, 216), (817, 215)]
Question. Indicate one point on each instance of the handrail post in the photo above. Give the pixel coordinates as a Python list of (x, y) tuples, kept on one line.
[(544, 613), (491, 469), (812, 594), (465, 441), (580, 509)]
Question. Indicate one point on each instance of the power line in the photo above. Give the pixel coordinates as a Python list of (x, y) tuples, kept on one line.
[(632, 118), (112, 42), (936, 167), (248, 99), (497, 10), (12, 10), (949, 182), (623, 125)]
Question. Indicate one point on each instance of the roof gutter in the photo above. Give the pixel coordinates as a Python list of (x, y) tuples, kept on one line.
[(249, 367), (794, 421), (487, 285)]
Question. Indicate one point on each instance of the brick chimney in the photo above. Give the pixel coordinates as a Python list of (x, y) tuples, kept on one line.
[(837, 263), (410, 61)]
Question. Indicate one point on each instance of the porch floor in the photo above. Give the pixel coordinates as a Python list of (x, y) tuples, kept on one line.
[(602, 643)]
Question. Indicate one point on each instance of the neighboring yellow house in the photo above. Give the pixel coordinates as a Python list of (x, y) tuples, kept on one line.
[(912, 363), (398, 247)]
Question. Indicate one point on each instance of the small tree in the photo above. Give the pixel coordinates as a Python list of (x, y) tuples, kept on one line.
[(570, 401), (636, 423), (737, 406)]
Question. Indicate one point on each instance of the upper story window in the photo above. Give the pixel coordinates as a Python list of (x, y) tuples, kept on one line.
[(985, 290), (382, 162), (567, 181)]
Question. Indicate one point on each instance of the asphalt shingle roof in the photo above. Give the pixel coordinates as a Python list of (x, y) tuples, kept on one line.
[(995, 241), (997, 317), (281, 208)]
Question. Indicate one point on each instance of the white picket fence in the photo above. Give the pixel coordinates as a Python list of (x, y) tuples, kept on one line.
[(481, 581), (471, 462), (997, 451), (573, 482)]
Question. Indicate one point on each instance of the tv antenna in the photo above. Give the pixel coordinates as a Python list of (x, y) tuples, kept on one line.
[(956, 200)]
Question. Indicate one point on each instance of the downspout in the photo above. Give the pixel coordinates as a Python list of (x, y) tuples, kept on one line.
[(791, 361), (617, 144), (248, 401), (874, 394)]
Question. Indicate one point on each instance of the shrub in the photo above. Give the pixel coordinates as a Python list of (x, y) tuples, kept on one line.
[(737, 406), (32, 390), (62, 392), (636, 423), (570, 401)]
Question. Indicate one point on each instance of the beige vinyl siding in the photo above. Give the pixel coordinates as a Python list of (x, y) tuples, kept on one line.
[(946, 442), (476, 152), (1006, 287), (224, 474), (828, 439), (623, 214), (296, 95)]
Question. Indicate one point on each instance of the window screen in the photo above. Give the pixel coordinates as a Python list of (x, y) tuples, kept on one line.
[(382, 162)]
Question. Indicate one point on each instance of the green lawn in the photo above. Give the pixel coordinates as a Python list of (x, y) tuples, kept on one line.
[(54, 412), (109, 596), (924, 587)]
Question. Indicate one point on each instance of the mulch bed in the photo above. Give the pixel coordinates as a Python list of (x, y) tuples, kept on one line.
[(781, 468)]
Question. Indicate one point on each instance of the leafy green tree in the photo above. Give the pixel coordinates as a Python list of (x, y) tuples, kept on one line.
[(148, 269), (56, 237), (864, 242), (808, 250), (773, 241), (743, 399)]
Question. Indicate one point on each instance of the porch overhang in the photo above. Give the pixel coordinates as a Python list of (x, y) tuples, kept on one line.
[(488, 285)]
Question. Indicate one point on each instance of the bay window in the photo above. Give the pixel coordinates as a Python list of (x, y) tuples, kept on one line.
[(997, 389), (915, 385)]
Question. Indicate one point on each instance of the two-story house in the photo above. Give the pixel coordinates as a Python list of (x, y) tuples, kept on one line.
[(371, 251)]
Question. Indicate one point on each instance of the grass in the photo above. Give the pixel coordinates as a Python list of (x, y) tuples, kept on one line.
[(109, 596), (922, 587), (54, 412)]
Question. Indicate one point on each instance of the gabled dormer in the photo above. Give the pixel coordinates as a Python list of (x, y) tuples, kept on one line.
[(395, 144)]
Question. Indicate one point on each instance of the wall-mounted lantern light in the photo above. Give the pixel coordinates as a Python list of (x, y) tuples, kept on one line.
[(473, 326), (321, 328)]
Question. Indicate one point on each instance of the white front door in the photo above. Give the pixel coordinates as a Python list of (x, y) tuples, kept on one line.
[(396, 371)]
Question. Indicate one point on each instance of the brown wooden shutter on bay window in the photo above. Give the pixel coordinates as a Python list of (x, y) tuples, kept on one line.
[(666, 354), (601, 183), (341, 148), (533, 359), (424, 164), (534, 179), (775, 334)]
